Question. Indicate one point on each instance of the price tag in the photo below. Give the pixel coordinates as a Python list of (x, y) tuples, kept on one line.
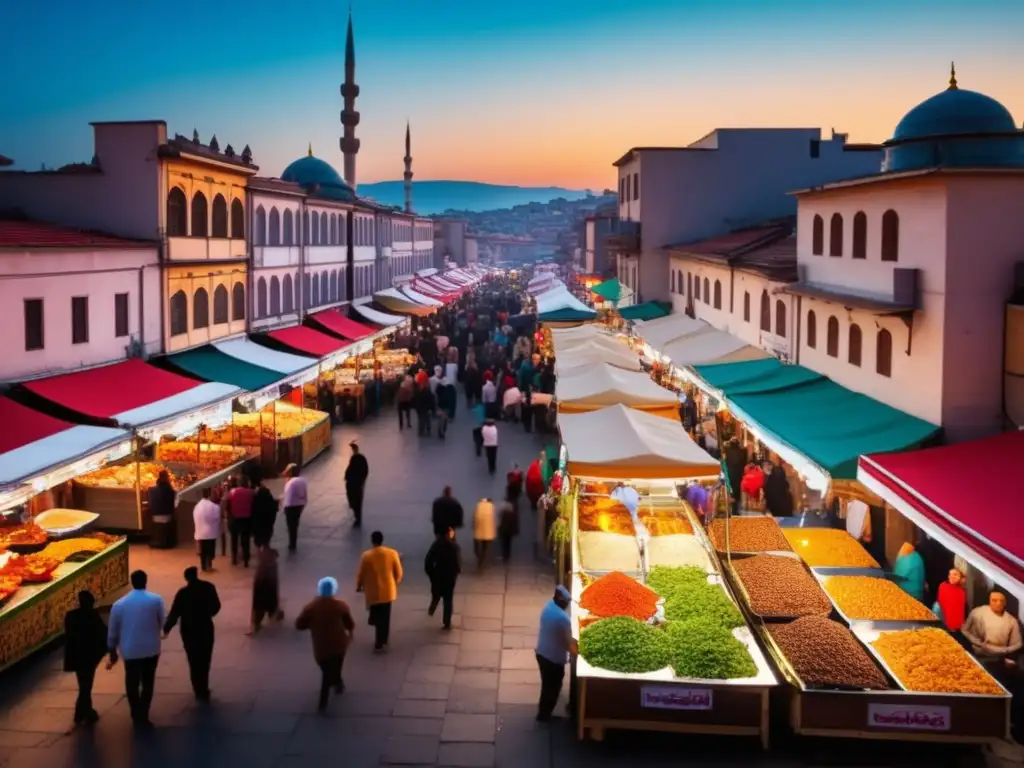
[(666, 697), (908, 717)]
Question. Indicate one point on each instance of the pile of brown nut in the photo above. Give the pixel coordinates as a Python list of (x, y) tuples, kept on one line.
[(749, 534), (780, 587), (825, 654)]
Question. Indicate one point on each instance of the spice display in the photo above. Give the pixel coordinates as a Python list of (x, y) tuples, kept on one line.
[(600, 513), (123, 476), (616, 594), (678, 551), (31, 569), (597, 487), (622, 644), (749, 534), (700, 648), (668, 581), (664, 520), (25, 534), (779, 587), (929, 660), (871, 598), (825, 654), (209, 456), (828, 548), (609, 552)]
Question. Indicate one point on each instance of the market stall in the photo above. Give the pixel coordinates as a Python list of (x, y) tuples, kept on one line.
[(710, 347), (588, 354), (649, 310), (420, 298), (394, 300), (385, 321), (592, 388), (559, 305), (657, 333)]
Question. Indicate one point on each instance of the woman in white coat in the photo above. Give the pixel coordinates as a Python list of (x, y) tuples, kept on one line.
[(485, 530)]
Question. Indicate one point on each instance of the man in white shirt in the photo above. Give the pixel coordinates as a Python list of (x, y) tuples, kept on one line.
[(296, 495), (489, 397), (510, 403), (136, 621), (489, 435), (627, 495), (206, 516)]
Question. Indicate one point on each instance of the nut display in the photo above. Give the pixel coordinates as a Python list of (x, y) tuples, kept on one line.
[(871, 598), (825, 654), (749, 534), (828, 548), (123, 476), (608, 552), (779, 587), (619, 595), (209, 456), (929, 660), (600, 513), (622, 644)]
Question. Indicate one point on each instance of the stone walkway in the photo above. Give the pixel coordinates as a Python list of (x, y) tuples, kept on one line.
[(460, 698)]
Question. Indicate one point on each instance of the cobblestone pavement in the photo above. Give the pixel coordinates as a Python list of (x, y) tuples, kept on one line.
[(460, 698)]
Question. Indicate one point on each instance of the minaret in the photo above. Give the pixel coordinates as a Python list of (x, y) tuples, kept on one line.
[(349, 117), (408, 170)]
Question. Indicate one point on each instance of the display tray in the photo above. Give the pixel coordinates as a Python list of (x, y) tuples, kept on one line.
[(788, 550), (63, 523), (737, 583), (823, 575)]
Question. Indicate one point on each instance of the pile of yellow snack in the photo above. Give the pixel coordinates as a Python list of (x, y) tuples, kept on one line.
[(62, 550), (828, 548), (931, 661), (868, 598)]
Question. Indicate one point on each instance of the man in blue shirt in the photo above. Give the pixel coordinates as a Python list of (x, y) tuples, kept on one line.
[(136, 621), (555, 644)]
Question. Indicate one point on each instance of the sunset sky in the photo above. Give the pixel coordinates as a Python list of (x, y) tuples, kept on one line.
[(528, 92)]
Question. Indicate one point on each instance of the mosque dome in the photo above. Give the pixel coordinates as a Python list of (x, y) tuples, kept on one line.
[(955, 112), (317, 176)]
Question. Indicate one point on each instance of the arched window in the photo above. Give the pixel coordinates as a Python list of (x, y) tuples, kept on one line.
[(832, 342), (288, 230), (220, 216), (373, 233), (718, 294), (306, 239), (259, 234), (274, 228), (780, 319), (220, 305), (200, 215), (812, 329), (890, 236), (177, 213), (261, 298), (766, 312), (342, 229), (883, 353), (314, 291), (237, 220), (673, 281), (707, 291), (853, 351), (179, 313), (860, 235), (275, 296), (835, 235), (818, 235), (200, 309), (238, 302), (334, 229), (746, 306), (696, 289), (287, 296), (324, 229), (306, 283)]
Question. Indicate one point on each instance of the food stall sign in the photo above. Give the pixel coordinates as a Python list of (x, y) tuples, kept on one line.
[(213, 416), (909, 717), (665, 697)]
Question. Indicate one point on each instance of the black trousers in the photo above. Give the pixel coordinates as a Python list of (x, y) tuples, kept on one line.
[(506, 546), (492, 457), (241, 535), (291, 519), (404, 415), (330, 677), (481, 548), (380, 620), (422, 423), (355, 501), (207, 551), (83, 704), (478, 440), (139, 676), (551, 677), (443, 594), (199, 652)]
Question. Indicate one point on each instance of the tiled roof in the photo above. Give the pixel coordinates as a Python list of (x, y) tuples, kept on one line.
[(34, 234), (768, 249), (267, 184)]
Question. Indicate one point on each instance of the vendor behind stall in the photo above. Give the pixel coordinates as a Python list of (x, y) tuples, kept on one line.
[(993, 633)]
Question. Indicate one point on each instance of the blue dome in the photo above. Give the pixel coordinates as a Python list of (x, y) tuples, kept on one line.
[(955, 112), (318, 177)]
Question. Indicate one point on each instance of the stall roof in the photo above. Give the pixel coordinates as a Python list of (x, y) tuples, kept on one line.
[(24, 425), (566, 340), (264, 357), (658, 333), (419, 298), (623, 443), (605, 385), (609, 290), (590, 354), (938, 490), (336, 322), (307, 340), (428, 272), (539, 289), (208, 362), (711, 347), (832, 425), (175, 406), (461, 275), (649, 310), (375, 316), (566, 316), (754, 376), (561, 298), (396, 301)]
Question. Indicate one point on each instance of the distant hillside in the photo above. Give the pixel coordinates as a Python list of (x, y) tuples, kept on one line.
[(440, 196)]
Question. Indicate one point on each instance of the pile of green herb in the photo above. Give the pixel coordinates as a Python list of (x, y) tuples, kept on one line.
[(667, 581), (700, 648), (688, 595), (623, 644)]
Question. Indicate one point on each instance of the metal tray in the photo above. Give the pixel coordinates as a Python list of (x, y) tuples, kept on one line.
[(758, 552), (822, 574), (737, 583)]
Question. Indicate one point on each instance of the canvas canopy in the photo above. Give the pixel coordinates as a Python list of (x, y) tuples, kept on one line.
[(560, 298), (565, 340), (753, 376), (621, 443), (376, 316), (419, 298), (208, 362), (265, 357), (609, 290), (658, 333), (649, 310), (396, 301), (587, 389), (711, 347), (591, 354)]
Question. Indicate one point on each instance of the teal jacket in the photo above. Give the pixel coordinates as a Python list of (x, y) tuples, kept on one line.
[(910, 570)]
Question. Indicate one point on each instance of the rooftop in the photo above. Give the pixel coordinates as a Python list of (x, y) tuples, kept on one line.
[(768, 249), (36, 234), (181, 145)]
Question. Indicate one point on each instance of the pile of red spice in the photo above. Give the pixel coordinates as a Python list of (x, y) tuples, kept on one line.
[(618, 595)]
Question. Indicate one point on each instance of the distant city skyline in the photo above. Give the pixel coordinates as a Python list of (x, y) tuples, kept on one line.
[(528, 93)]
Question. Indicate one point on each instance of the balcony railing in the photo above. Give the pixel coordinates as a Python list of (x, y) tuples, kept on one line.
[(624, 237)]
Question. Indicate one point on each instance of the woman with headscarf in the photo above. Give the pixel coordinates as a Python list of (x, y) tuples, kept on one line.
[(778, 499), (330, 624), (162, 501)]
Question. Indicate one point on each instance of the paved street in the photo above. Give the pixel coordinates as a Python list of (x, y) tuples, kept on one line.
[(460, 698)]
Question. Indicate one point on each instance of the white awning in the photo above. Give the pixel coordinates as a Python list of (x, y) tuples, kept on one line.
[(458, 276), (419, 298), (57, 450), (560, 298), (256, 354), (588, 355), (658, 333), (605, 385), (711, 347), (195, 399), (376, 316)]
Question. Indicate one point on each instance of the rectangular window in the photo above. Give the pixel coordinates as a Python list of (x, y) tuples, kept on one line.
[(33, 324), (120, 315), (815, 148), (636, 186), (79, 319)]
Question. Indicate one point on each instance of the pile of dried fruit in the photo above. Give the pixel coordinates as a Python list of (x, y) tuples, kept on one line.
[(931, 661), (868, 598), (749, 534), (825, 654), (622, 644), (828, 548), (779, 587), (616, 594), (700, 648)]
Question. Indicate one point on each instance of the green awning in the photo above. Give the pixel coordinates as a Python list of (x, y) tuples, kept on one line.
[(755, 376), (649, 310), (211, 364), (566, 315), (831, 425), (609, 290)]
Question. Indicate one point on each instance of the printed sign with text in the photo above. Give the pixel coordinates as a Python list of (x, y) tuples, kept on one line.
[(664, 697), (913, 718)]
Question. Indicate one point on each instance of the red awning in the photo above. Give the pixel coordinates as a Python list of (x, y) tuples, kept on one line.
[(111, 389), (308, 341), (336, 322), (24, 425), (429, 289), (963, 495), (443, 285)]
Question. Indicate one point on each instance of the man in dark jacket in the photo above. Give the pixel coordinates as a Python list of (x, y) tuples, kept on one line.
[(443, 565), (356, 473), (195, 605), (446, 512), (736, 460), (162, 501), (85, 645), (264, 515)]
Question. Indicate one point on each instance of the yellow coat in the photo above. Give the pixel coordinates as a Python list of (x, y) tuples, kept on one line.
[(379, 574)]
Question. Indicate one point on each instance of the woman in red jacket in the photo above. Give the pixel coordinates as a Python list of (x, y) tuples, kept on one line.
[(952, 601), (534, 483)]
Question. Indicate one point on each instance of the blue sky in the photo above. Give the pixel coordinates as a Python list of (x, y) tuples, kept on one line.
[(526, 92)]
